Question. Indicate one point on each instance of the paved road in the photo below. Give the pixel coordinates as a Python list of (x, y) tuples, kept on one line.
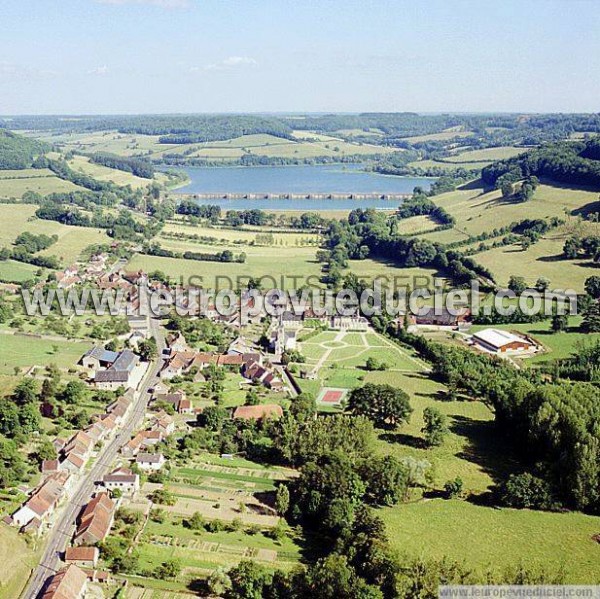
[(63, 529)]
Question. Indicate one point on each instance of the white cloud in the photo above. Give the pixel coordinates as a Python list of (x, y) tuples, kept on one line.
[(228, 64), (160, 3), (100, 71)]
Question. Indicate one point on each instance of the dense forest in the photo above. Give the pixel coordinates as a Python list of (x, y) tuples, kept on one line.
[(568, 162), (136, 166), (18, 152)]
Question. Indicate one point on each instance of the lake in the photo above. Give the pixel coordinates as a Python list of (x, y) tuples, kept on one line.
[(327, 179)]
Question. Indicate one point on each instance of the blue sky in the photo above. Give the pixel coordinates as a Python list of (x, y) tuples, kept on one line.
[(134, 56)]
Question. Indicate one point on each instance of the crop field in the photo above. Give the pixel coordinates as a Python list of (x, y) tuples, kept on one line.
[(390, 274), (232, 492), (247, 235), (312, 145), (20, 351), (441, 136), (71, 240), (497, 538), (416, 224)]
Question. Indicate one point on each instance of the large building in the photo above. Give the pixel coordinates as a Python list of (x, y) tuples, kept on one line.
[(501, 342)]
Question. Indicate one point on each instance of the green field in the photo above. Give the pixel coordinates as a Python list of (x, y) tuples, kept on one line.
[(497, 538), (542, 259), (276, 262), (43, 184), (103, 173), (23, 351), (16, 272), (227, 150), (18, 560), (488, 155)]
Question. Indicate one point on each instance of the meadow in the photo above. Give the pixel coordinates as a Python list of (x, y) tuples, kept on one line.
[(17, 559), (41, 181), (21, 351), (16, 272)]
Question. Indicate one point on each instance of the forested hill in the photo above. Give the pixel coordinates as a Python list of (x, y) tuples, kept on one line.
[(381, 128), (567, 162), (171, 128), (17, 152)]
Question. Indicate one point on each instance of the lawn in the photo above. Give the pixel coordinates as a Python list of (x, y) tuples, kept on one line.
[(497, 538), (25, 351)]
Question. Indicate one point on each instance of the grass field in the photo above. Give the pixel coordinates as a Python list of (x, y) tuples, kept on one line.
[(488, 155), (442, 136), (22, 351), (71, 240), (16, 272), (542, 259), (48, 183), (497, 538), (477, 211), (17, 560), (557, 345), (103, 173), (276, 262), (227, 150)]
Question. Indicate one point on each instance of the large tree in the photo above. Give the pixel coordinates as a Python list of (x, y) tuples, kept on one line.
[(384, 405)]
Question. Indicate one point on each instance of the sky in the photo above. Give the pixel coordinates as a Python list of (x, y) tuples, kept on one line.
[(183, 56)]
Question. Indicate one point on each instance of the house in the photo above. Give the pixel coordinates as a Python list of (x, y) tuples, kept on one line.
[(258, 412), (43, 500), (49, 467), (150, 461), (349, 323), (122, 479), (119, 408), (164, 423), (95, 520), (442, 317), (178, 400), (179, 362), (501, 342), (85, 557), (133, 446), (72, 463), (177, 343), (119, 373), (68, 583), (98, 358)]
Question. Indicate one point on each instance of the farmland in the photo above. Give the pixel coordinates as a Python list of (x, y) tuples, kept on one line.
[(21, 351), (306, 145), (42, 181)]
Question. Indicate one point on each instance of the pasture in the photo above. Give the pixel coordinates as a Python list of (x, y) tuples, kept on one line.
[(18, 559), (103, 173), (16, 272), (497, 538), (41, 181), (487, 155), (21, 351)]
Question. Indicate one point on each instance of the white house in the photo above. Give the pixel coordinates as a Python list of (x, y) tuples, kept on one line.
[(150, 461), (122, 479)]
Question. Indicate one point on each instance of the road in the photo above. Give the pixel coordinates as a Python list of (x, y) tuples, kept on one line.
[(64, 528)]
